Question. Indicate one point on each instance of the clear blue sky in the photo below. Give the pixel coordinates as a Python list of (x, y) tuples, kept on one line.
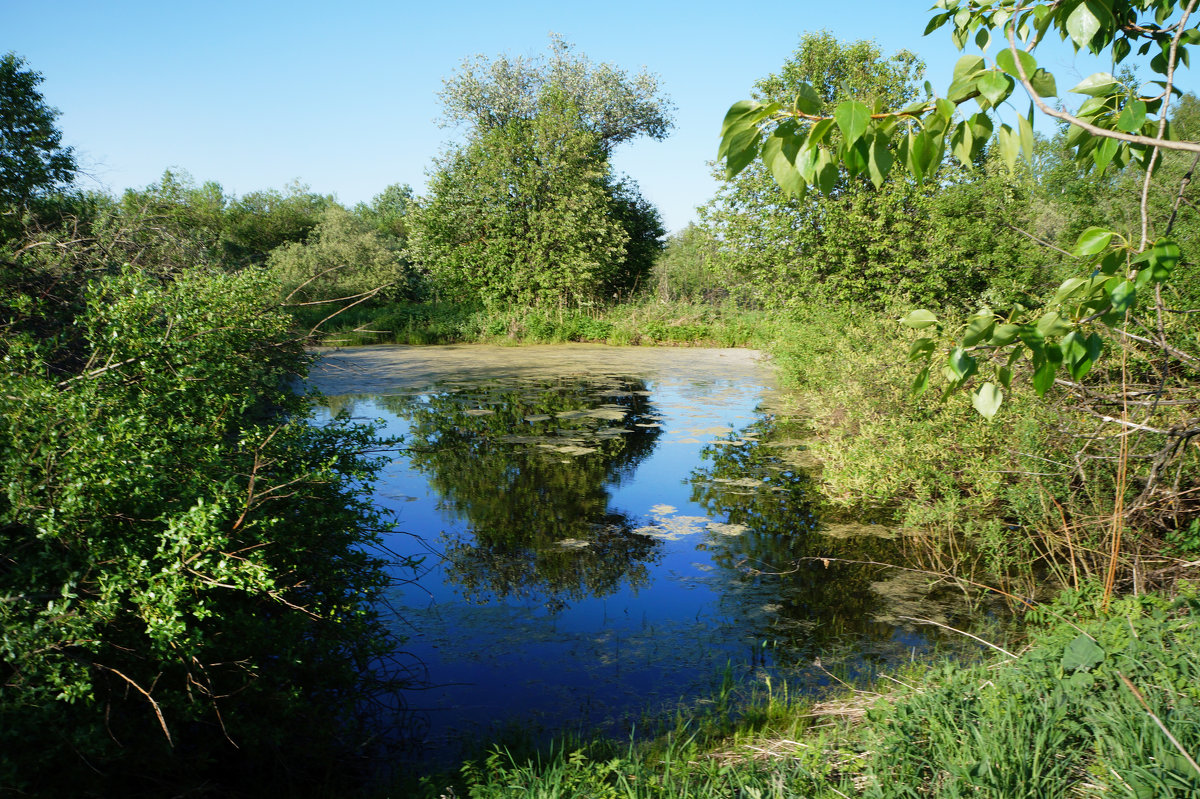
[(254, 94)]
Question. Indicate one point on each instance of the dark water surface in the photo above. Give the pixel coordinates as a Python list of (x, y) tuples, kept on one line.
[(606, 530)]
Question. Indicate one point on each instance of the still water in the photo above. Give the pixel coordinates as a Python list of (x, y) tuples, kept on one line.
[(605, 531)]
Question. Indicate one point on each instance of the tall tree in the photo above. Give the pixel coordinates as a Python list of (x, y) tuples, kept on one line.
[(32, 158), (616, 107)]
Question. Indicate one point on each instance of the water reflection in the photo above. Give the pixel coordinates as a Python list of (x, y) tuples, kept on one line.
[(528, 465)]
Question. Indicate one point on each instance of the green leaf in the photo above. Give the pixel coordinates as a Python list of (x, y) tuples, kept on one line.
[(1051, 324), (967, 66), (827, 172), (807, 99), (852, 118), (1043, 83), (1043, 376), (819, 132), (1102, 156), (880, 162), (945, 109), (1003, 335), (987, 399), (1068, 288), (921, 348), (920, 382), (1006, 62), (995, 86), (1098, 84), (1092, 241), (978, 328), (1010, 146), (1082, 25), (1026, 128), (1082, 654), (937, 21), (782, 168), (1133, 116), (918, 319), (960, 364), (961, 143), (1005, 374), (738, 111)]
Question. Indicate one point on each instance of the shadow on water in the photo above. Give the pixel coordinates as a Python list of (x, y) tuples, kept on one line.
[(605, 537)]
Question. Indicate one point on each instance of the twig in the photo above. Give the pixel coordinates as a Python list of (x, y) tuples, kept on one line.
[(1000, 649), (1145, 706)]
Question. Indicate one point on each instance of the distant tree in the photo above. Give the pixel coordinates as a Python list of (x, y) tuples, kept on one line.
[(616, 107), (32, 158), (342, 257), (260, 221), (388, 211), (522, 214)]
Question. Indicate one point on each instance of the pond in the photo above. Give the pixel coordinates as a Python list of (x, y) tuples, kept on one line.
[(608, 532)]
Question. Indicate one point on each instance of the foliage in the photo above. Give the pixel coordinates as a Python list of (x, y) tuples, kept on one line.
[(931, 243), (523, 214), (687, 269), (342, 259), (187, 573), (612, 106), (33, 161), (388, 211)]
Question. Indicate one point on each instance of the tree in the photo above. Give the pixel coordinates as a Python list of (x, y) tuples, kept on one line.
[(488, 93), (32, 158), (521, 214), (388, 211), (1115, 300), (854, 243), (342, 259)]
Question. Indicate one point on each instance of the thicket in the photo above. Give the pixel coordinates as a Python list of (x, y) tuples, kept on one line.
[(187, 565)]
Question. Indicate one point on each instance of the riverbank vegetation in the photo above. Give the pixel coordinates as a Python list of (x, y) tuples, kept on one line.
[(187, 566)]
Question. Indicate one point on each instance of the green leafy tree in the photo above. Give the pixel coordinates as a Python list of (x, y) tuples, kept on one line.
[(1114, 301), (342, 260), (32, 158), (614, 106), (864, 239), (522, 214), (388, 211)]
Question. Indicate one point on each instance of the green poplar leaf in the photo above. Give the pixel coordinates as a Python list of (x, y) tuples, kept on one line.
[(1003, 335), (1010, 146), (918, 319), (741, 158), (1092, 241), (983, 38), (967, 66), (916, 154), (737, 112), (921, 382), (1068, 289), (1043, 375), (945, 108), (921, 348), (980, 327), (1006, 62), (995, 86), (987, 399), (819, 132), (807, 99), (880, 162), (827, 172), (961, 141), (1124, 296), (1133, 116), (1102, 156), (1026, 128), (937, 21), (1051, 324), (782, 168), (852, 118), (1098, 84), (1005, 375), (1082, 25), (960, 364), (1043, 83), (806, 162)]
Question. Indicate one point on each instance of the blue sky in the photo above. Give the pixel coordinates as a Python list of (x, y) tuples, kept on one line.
[(342, 96)]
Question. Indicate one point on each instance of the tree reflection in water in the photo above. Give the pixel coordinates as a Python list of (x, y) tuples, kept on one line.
[(529, 464), (773, 581)]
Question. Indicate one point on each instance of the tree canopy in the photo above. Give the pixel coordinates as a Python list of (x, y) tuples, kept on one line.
[(615, 106), (32, 158)]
